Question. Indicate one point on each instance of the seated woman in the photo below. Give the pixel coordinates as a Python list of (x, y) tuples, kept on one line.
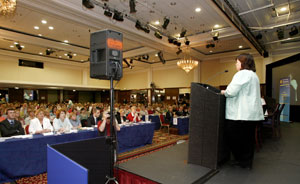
[(30, 117), (61, 123), (104, 125), (74, 120), (121, 118), (133, 115), (40, 124)]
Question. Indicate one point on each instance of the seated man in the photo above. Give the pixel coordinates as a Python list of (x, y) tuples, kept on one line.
[(169, 115), (94, 118), (10, 126), (104, 125), (133, 115), (180, 111)]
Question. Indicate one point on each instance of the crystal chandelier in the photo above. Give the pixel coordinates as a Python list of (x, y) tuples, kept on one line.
[(187, 64), (7, 6)]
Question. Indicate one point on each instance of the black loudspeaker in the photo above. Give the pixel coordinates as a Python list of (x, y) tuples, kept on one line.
[(106, 55), (207, 125)]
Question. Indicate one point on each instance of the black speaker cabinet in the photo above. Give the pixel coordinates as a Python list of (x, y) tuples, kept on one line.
[(207, 141), (106, 55)]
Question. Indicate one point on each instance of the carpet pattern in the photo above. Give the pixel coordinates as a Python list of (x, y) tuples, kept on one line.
[(160, 141)]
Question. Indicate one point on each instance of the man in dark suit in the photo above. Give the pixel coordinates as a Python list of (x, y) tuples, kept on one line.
[(10, 126), (94, 118)]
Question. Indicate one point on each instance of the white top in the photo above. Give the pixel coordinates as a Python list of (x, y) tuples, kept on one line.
[(58, 124), (35, 125), (243, 100)]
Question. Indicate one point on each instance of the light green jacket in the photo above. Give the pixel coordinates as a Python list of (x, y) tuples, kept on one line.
[(243, 100)]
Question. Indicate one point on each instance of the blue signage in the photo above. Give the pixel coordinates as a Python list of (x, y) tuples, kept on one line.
[(284, 98)]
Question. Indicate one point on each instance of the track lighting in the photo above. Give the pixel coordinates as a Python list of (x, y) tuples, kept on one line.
[(19, 47), (88, 4), (187, 42), (132, 6), (49, 51), (158, 35), (69, 55), (166, 23), (294, 31), (183, 32), (108, 13), (118, 16), (146, 57), (171, 39), (216, 36)]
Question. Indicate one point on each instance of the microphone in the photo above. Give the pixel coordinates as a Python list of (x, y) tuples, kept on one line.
[(214, 76)]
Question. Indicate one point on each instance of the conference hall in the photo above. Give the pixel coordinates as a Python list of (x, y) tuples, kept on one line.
[(149, 91)]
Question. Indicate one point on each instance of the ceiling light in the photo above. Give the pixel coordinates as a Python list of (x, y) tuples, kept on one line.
[(65, 54), (210, 51), (197, 9), (40, 35), (157, 22), (41, 53), (158, 35), (132, 6), (88, 4), (108, 13), (166, 23), (18, 46), (44, 21), (241, 46), (11, 46), (118, 16), (59, 56), (51, 27), (16, 43), (23, 46), (16, 87), (74, 90), (156, 55), (74, 54), (66, 41), (82, 60), (216, 26), (8, 6), (36, 27), (283, 9)]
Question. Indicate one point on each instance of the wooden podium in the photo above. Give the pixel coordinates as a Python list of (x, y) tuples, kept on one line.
[(207, 123)]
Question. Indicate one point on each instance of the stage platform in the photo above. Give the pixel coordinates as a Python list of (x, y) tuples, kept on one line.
[(168, 166)]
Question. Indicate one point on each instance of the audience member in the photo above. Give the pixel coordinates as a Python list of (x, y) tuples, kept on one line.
[(74, 120), (61, 123), (104, 125), (121, 118), (40, 124), (169, 115), (133, 115), (10, 126), (94, 118), (30, 117)]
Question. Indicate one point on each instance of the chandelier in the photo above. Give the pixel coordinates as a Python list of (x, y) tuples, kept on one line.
[(7, 6), (187, 64)]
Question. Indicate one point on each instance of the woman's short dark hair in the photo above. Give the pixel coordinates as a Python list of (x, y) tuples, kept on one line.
[(247, 62)]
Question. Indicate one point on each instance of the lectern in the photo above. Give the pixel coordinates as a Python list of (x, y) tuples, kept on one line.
[(207, 141)]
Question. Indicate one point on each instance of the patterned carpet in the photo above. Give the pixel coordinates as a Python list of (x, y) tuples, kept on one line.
[(160, 141)]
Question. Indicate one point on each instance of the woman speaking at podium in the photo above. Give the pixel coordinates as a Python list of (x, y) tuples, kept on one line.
[(243, 110)]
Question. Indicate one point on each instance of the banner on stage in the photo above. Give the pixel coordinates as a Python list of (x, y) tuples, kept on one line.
[(284, 98)]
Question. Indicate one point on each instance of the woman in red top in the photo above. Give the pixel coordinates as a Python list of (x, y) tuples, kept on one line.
[(133, 115), (104, 125)]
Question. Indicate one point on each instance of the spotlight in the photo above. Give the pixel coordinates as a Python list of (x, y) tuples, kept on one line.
[(88, 4), (146, 57), (187, 42), (175, 42), (166, 23), (118, 16), (146, 29), (138, 25), (69, 55), (108, 13), (161, 57), (183, 32), (19, 46), (212, 45), (216, 36), (131, 61), (171, 39), (280, 33), (132, 6), (294, 31), (49, 51), (179, 51), (158, 35), (178, 44)]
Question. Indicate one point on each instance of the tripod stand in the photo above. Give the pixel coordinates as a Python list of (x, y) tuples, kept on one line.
[(112, 139)]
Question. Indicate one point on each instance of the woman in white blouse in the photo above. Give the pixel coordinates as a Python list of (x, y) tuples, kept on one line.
[(61, 123), (40, 124)]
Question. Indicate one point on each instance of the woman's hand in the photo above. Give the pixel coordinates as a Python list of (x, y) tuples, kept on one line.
[(223, 92)]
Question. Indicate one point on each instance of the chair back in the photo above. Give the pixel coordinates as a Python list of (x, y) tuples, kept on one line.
[(27, 129), (162, 119)]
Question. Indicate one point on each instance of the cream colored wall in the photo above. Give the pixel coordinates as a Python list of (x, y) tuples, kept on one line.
[(172, 78), (53, 74), (135, 80)]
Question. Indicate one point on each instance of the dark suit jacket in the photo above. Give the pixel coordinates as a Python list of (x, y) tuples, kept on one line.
[(8, 130), (91, 121), (118, 117), (169, 116)]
